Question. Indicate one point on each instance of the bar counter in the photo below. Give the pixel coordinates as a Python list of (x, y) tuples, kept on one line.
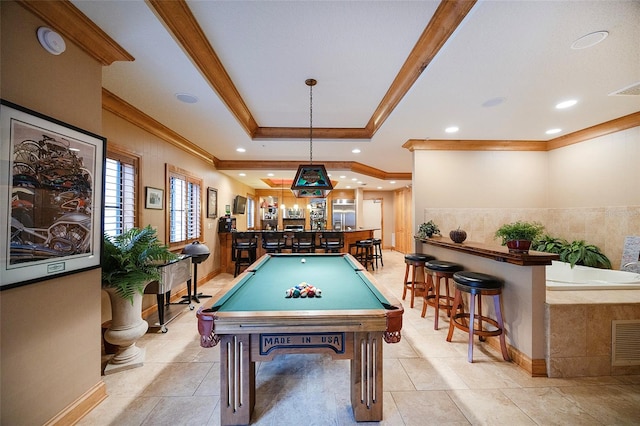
[(227, 265), (524, 292)]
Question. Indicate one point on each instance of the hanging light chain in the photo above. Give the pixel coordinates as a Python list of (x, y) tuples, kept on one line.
[(310, 82)]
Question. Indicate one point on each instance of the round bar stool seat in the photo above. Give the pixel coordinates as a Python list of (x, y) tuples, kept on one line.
[(439, 269), (413, 261), (477, 284), (364, 253)]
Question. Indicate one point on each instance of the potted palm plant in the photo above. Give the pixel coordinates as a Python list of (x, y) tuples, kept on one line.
[(517, 236), (130, 261)]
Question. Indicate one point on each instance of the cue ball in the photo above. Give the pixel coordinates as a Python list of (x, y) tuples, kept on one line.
[(303, 261)]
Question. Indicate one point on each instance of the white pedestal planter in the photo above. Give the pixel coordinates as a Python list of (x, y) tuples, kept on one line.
[(127, 326)]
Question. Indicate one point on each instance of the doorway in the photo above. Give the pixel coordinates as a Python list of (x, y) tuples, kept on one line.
[(372, 217)]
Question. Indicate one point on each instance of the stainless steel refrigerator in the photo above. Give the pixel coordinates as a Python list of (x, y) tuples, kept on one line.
[(343, 214)]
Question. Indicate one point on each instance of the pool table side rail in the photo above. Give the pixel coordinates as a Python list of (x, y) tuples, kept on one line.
[(388, 320)]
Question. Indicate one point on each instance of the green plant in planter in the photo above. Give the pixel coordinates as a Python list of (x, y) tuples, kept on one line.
[(427, 230), (549, 244), (574, 253), (519, 230), (581, 253), (130, 260)]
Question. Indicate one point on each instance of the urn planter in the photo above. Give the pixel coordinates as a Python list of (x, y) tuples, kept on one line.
[(127, 326), (130, 262)]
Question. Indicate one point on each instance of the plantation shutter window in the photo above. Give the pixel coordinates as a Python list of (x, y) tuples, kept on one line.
[(185, 207), (120, 193)]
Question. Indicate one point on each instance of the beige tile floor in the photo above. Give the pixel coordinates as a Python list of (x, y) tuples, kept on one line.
[(427, 381)]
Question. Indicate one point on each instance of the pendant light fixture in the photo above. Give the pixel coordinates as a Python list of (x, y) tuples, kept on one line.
[(311, 179)]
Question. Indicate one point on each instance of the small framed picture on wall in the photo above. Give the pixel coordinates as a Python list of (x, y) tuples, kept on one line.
[(154, 198), (212, 203)]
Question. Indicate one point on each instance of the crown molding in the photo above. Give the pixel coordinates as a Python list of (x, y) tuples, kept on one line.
[(352, 166), (473, 145), (446, 19), (183, 25), (602, 129), (67, 19), (318, 133), (128, 112)]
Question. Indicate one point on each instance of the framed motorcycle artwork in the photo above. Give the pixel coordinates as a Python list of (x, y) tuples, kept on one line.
[(51, 197)]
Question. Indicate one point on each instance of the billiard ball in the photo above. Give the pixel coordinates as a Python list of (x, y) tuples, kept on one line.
[(303, 260), (318, 292)]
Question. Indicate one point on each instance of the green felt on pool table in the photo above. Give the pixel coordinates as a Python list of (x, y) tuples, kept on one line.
[(343, 287)]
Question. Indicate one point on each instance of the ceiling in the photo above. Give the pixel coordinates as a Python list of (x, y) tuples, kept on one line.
[(375, 91)]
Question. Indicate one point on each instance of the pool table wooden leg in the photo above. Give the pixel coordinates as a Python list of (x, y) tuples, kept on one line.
[(366, 377), (237, 380)]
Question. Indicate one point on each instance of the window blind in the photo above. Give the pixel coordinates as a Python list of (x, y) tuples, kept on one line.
[(119, 197), (185, 219)]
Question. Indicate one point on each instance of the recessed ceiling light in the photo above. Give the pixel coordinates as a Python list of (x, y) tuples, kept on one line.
[(379, 187), (242, 174), (392, 182), (553, 131), (348, 187), (186, 98), (451, 129), (566, 104), (355, 151), (241, 150), (270, 174), (589, 40), (343, 177), (354, 179)]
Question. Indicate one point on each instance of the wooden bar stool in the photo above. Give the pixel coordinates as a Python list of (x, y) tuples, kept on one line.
[(377, 251), (439, 269), (364, 253), (332, 242), (243, 245), (477, 284), (304, 242), (273, 241), (413, 261)]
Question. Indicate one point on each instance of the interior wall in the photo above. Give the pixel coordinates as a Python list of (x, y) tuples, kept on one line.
[(593, 191), (584, 191), (480, 179), (604, 171), (50, 331), (155, 153)]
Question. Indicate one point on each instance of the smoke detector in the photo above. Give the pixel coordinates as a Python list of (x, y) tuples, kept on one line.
[(51, 41)]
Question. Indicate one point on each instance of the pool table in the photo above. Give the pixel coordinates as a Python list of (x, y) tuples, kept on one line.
[(254, 321)]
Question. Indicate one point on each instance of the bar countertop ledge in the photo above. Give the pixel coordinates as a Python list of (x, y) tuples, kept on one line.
[(524, 292)]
